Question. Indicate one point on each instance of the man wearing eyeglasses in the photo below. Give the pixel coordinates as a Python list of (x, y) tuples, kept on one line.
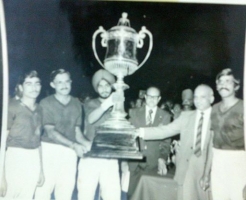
[(149, 116), (195, 134), (62, 140)]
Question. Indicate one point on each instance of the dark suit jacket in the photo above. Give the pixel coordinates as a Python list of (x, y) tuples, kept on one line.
[(185, 125), (153, 151)]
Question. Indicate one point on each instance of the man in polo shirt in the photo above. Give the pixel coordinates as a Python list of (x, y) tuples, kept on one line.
[(62, 140), (23, 162), (94, 171), (228, 171)]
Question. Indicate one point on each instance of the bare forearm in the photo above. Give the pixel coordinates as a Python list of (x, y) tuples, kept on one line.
[(95, 115), (40, 157), (80, 137), (57, 137)]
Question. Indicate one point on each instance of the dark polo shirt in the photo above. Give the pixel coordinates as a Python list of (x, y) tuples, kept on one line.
[(63, 117), (24, 125), (90, 129), (228, 127)]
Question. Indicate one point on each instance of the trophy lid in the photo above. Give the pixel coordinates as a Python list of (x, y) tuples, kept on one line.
[(124, 23)]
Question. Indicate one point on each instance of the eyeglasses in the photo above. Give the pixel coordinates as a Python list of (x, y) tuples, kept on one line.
[(152, 97)]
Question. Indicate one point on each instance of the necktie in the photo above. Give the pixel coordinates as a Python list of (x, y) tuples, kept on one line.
[(149, 118), (198, 150)]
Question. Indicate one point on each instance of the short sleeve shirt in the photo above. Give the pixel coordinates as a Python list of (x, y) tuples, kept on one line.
[(63, 117), (90, 129), (228, 127), (24, 125)]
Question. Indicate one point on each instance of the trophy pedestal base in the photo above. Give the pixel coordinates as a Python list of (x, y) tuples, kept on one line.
[(115, 143)]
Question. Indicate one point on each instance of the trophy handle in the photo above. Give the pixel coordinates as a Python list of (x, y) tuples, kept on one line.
[(103, 42), (140, 43)]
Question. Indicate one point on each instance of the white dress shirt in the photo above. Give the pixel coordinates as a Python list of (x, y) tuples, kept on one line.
[(205, 124)]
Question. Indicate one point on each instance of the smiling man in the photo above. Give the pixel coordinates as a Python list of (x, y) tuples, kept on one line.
[(194, 129), (102, 171), (149, 115), (62, 140), (23, 161), (228, 170)]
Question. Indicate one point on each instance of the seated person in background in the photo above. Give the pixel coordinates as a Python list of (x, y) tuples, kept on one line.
[(149, 116)]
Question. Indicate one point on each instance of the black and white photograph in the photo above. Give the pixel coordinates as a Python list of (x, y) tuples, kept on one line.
[(122, 100)]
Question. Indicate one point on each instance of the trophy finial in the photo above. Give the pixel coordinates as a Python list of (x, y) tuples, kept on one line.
[(124, 15), (123, 20)]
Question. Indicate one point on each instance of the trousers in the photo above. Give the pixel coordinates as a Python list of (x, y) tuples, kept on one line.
[(59, 165), (22, 168), (94, 171), (228, 174)]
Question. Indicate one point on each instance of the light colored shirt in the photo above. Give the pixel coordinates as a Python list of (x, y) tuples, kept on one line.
[(147, 109), (205, 124)]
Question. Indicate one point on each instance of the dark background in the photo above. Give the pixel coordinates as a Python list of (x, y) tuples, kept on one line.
[(191, 42)]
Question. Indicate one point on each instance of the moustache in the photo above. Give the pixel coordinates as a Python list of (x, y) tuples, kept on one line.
[(223, 89)]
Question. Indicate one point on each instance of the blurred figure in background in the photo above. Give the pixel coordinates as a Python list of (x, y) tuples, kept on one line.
[(176, 110), (139, 103), (187, 99)]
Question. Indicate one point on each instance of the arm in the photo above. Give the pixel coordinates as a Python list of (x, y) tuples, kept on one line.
[(81, 139), (96, 114), (205, 179), (161, 132), (57, 137), (41, 175)]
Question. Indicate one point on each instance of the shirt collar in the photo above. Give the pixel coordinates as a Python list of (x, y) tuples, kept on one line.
[(205, 112), (153, 109)]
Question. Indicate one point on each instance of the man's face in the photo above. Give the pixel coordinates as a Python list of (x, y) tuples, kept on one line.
[(203, 98), (62, 84), (226, 86), (152, 97), (104, 89), (31, 87)]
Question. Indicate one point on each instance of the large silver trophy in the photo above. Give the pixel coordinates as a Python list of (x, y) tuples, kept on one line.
[(116, 137)]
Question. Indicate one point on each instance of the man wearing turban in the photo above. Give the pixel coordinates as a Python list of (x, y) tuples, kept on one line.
[(94, 171)]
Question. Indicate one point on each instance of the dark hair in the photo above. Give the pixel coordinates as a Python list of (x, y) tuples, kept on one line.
[(228, 72), (56, 72), (29, 74)]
